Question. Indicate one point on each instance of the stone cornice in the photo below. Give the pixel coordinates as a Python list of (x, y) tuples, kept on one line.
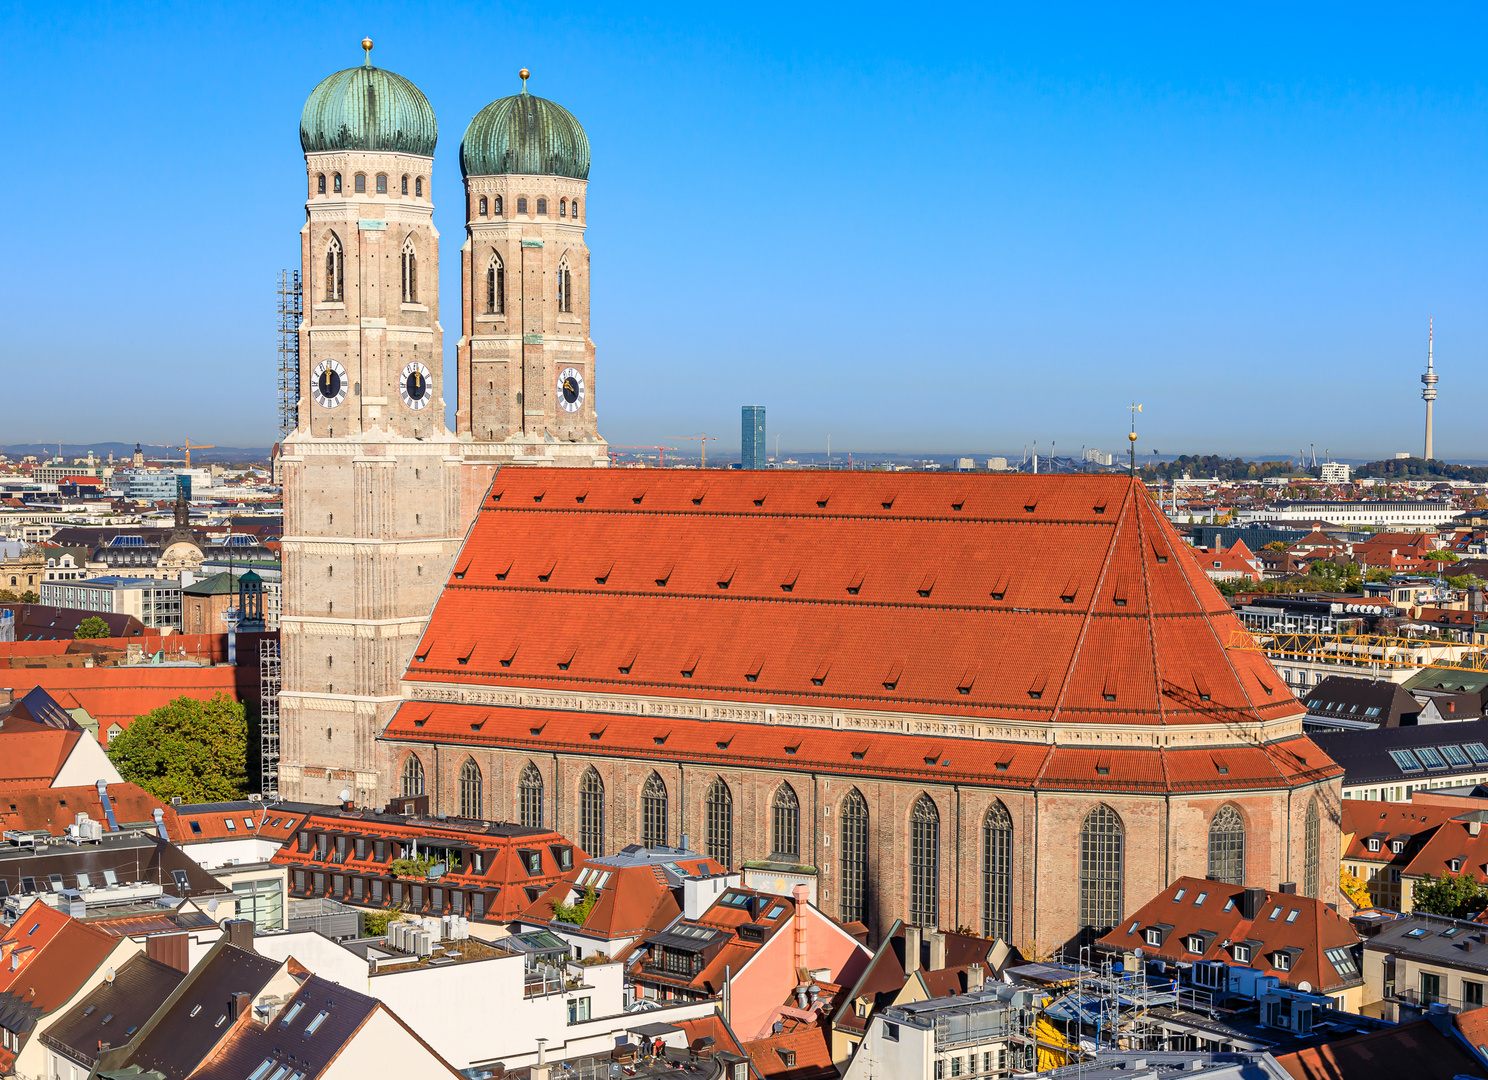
[(1172, 736)]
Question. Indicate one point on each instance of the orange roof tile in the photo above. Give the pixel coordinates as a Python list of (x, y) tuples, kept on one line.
[(54, 809), (812, 589)]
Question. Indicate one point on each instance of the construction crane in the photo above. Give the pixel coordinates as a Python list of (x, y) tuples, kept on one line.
[(660, 452), (188, 448), (1363, 650), (702, 440)]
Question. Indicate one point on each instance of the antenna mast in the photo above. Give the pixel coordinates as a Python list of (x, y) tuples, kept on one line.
[(1132, 438)]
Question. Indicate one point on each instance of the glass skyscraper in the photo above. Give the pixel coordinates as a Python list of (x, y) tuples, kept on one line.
[(752, 441)]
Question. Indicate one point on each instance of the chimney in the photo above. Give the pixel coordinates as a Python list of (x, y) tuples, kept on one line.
[(937, 950), (7, 695), (240, 933), (800, 894), (1474, 827), (1250, 902), (911, 949), (684, 842), (239, 1004), (976, 975), (1289, 887)]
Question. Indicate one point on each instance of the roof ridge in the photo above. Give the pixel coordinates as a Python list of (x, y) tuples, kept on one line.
[(1087, 619), (1151, 634)]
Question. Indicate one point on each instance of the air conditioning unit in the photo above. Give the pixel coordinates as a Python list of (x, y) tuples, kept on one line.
[(176, 800), (255, 797)]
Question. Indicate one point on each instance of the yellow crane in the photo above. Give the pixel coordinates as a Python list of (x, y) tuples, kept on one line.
[(188, 448), (702, 440)]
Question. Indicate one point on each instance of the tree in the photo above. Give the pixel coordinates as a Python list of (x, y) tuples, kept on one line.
[(577, 912), (1276, 545), (30, 597), (1355, 889), (1454, 895), (194, 749), (91, 627)]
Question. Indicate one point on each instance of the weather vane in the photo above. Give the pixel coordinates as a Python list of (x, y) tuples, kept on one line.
[(1132, 449)]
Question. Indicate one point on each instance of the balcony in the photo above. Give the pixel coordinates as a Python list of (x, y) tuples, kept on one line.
[(1415, 999)]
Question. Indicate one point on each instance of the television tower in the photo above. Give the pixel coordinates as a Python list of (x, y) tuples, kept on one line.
[(1429, 382)]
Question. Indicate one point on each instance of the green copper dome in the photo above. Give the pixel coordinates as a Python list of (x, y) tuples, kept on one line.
[(525, 134), (367, 108)]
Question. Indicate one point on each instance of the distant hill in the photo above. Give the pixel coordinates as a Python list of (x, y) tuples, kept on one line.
[(153, 451)]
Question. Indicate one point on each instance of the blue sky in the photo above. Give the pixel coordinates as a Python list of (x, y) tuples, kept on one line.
[(945, 228)]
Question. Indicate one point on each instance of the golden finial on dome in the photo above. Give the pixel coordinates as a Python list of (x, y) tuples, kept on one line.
[(367, 48), (524, 75)]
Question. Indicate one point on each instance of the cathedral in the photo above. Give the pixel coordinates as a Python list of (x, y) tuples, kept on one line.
[(1012, 704)]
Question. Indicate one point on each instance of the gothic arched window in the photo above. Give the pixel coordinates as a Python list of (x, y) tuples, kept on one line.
[(337, 183), (785, 824), (576, 208), (530, 797), (320, 184), (382, 183), (1227, 847), (495, 286), (1101, 868), (418, 186), (335, 270), (563, 208), (413, 777), (718, 809), (483, 205), (997, 876), (1310, 850), (360, 184), (854, 886), (470, 789), (924, 863), (653, 811), (496, 206), (521, 204), (405, 184), (591, 812), (542, 207), (410, 273), (565, 286)]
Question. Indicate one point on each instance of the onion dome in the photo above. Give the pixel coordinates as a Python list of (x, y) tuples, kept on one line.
[(525, 134), (367, 108)]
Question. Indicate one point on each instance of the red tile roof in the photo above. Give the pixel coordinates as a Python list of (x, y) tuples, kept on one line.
[(54, 809), (1220, 921), (1364, 818), (889, 591), (504, 879), (197, 824), (793, 1055), (845, 752), (32, 756), (634, 899)]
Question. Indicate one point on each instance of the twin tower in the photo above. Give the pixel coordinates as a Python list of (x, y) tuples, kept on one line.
[(378, 492)]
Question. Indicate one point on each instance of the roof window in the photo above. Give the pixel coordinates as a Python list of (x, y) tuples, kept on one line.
[(1198, 900), (1179, 895), (262, 1070), (314, 1025), (1275, 912), (1292, 915)]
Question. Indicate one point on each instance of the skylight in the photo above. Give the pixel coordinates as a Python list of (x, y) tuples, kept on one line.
[(1478, 752), (1430, 758), (1405, 760), (262, 1070), (294, 1010), (1292, 915), (1200, 898), (1179, 895), (313, 1025), (1274, 913), (1454, 756)]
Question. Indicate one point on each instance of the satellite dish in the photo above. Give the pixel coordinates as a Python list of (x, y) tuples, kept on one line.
[(212, 906), (1138, 953), (1305, 986), (108, 976), (345, 794)]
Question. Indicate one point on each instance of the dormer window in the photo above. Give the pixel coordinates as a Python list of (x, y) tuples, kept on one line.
[(1374, 844), (1454, 865), (1153, 936), (1281, 961), (1241, 953), (1397, 846), (1194, 943)]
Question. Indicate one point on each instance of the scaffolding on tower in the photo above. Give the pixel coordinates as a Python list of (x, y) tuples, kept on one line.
[(291, 310), (269, 681)]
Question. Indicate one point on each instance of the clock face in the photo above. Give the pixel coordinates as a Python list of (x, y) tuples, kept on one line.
[(570, 390), (330, 384), (415, 386)]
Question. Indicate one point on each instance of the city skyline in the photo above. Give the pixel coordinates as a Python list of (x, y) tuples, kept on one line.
[(1156, 209)]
